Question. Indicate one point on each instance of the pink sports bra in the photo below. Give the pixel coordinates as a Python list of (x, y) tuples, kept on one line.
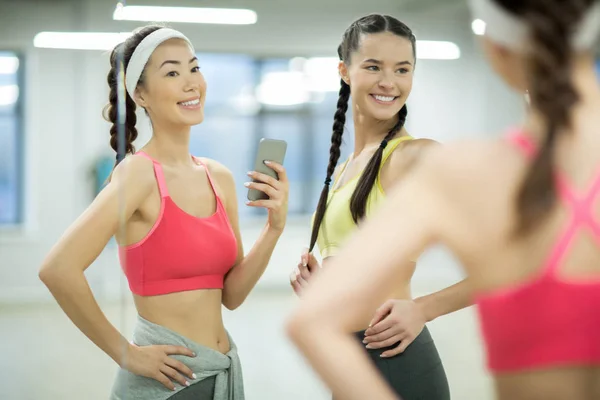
[(181, 252), (547, 321)]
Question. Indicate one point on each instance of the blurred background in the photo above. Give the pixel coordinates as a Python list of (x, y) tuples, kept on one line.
[(275, 76)]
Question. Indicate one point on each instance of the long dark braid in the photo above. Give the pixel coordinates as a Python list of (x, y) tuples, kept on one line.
[(122, 53), (552, 92), (360, 197), (339, 121)]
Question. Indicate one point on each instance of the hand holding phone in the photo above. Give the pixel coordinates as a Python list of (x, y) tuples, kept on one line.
[(268, 150), (269, 187)]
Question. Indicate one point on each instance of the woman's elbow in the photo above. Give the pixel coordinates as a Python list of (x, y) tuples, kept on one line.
[(231, 306), (300, 324), (46, 273), (231, 302), (293, 327), (51, 275)]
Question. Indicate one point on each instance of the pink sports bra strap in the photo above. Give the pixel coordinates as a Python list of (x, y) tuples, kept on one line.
[(158, 171), (212, 185), (522, 142), (581, 206), (582, 215)]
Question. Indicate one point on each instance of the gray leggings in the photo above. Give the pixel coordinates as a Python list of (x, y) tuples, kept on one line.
[(416, 374)]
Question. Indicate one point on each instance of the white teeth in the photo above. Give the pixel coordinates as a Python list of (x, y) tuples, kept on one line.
[(190, 103), (384, 98)]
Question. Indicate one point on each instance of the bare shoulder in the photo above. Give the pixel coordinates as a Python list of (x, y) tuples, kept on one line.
[(217, 170), (465, 167), (472, 186), (134, 171), (222, 177), (419, 144), (413, 149), (404, 158), (79, 246)]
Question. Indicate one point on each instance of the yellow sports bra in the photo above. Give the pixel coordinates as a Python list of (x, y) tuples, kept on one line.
[(337, 222)]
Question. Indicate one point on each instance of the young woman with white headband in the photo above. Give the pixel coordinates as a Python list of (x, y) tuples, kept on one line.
[(525, 226), (180, 247)]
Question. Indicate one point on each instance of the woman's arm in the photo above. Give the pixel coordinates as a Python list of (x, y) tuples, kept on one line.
[(452, 298), (62, 270), (401, 319), (446, 301), (358, 280), (248, 268)]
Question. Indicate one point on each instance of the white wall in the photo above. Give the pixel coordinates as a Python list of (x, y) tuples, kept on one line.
[(66, 90)]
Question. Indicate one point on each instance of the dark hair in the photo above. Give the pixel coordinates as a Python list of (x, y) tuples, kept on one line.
[(369, 24), (119, 60), (551, 89)]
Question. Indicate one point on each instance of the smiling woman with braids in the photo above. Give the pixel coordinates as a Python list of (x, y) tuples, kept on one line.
[(181, 248), (377, 61), (521, 213)]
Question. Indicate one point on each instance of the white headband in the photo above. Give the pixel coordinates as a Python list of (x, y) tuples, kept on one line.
[(507, 29), (142, 53)]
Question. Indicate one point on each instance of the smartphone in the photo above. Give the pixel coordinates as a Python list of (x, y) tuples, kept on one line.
[(268, 150)]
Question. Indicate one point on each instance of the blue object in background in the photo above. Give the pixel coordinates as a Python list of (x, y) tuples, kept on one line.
[(102, 170)]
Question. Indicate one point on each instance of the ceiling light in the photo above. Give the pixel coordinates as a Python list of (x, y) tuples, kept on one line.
[(9, 64), (8, 95), (434, 50), (282, 89), (79, 40), (197, 15), (478, 27)]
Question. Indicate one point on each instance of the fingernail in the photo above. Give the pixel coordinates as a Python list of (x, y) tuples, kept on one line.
[(193, 354), (247, 202), (249, 173), (187, 383), (369, 346), (365, 341), (383, 355), (267, 162), (194, 376), (247, 184)]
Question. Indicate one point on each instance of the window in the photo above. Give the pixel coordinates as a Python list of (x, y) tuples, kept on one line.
[(229, 131), (11, 138), (249, 99)]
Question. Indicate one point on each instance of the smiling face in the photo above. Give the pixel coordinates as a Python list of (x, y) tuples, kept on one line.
[(380, 74), (173, 90)]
